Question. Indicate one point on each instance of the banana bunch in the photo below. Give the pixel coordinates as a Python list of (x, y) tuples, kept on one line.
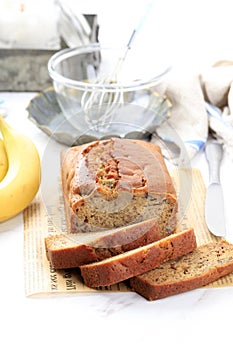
[(20, 171)]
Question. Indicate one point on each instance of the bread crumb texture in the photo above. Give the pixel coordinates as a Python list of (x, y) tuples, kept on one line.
[(193, 264), (204, 265)]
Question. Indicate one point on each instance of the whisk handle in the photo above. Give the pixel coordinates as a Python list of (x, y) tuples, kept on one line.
[(136, 30), (140, 24)]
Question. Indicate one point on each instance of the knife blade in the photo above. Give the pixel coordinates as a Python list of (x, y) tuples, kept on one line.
[(214, 203)]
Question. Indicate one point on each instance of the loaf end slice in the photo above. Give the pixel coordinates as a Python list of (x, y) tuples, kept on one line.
[(198, 268), (137, 261), (73, 250)]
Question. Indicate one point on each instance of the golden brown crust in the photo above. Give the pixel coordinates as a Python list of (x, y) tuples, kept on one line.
[(137, 261), (106, 183)]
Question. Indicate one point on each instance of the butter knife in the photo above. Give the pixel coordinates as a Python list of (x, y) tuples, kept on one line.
[(214, 204)]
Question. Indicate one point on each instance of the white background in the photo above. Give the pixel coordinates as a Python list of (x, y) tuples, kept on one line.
[(191, 33)]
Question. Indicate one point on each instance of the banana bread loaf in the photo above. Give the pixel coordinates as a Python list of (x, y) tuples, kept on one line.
[(137, 261), (72, 250), (116, 182), (204, 265)]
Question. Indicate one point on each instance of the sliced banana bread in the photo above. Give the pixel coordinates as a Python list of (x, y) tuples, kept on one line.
[(137, 261), (204, 265), (72, 250)]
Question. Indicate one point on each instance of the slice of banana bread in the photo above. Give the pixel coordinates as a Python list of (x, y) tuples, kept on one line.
[(116, 182), (72, 250), (137, 261), (204, 265)]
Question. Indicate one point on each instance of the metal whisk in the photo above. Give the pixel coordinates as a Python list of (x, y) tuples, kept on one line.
[(110, 98)]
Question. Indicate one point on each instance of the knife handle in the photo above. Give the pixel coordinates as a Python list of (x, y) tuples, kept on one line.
[(214, 154)]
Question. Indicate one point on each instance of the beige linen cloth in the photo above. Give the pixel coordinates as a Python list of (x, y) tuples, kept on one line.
[(201, 103)]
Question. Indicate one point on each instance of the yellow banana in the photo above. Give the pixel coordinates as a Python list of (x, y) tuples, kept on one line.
[(3, 160), (22, 180)]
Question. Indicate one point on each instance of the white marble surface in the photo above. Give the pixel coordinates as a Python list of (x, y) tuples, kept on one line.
[(192, 320)]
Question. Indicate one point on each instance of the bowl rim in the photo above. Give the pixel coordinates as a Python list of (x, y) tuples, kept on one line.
[(69, 52)]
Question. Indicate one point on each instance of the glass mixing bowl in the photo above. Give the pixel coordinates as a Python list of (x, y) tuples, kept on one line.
[(102, 96)]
